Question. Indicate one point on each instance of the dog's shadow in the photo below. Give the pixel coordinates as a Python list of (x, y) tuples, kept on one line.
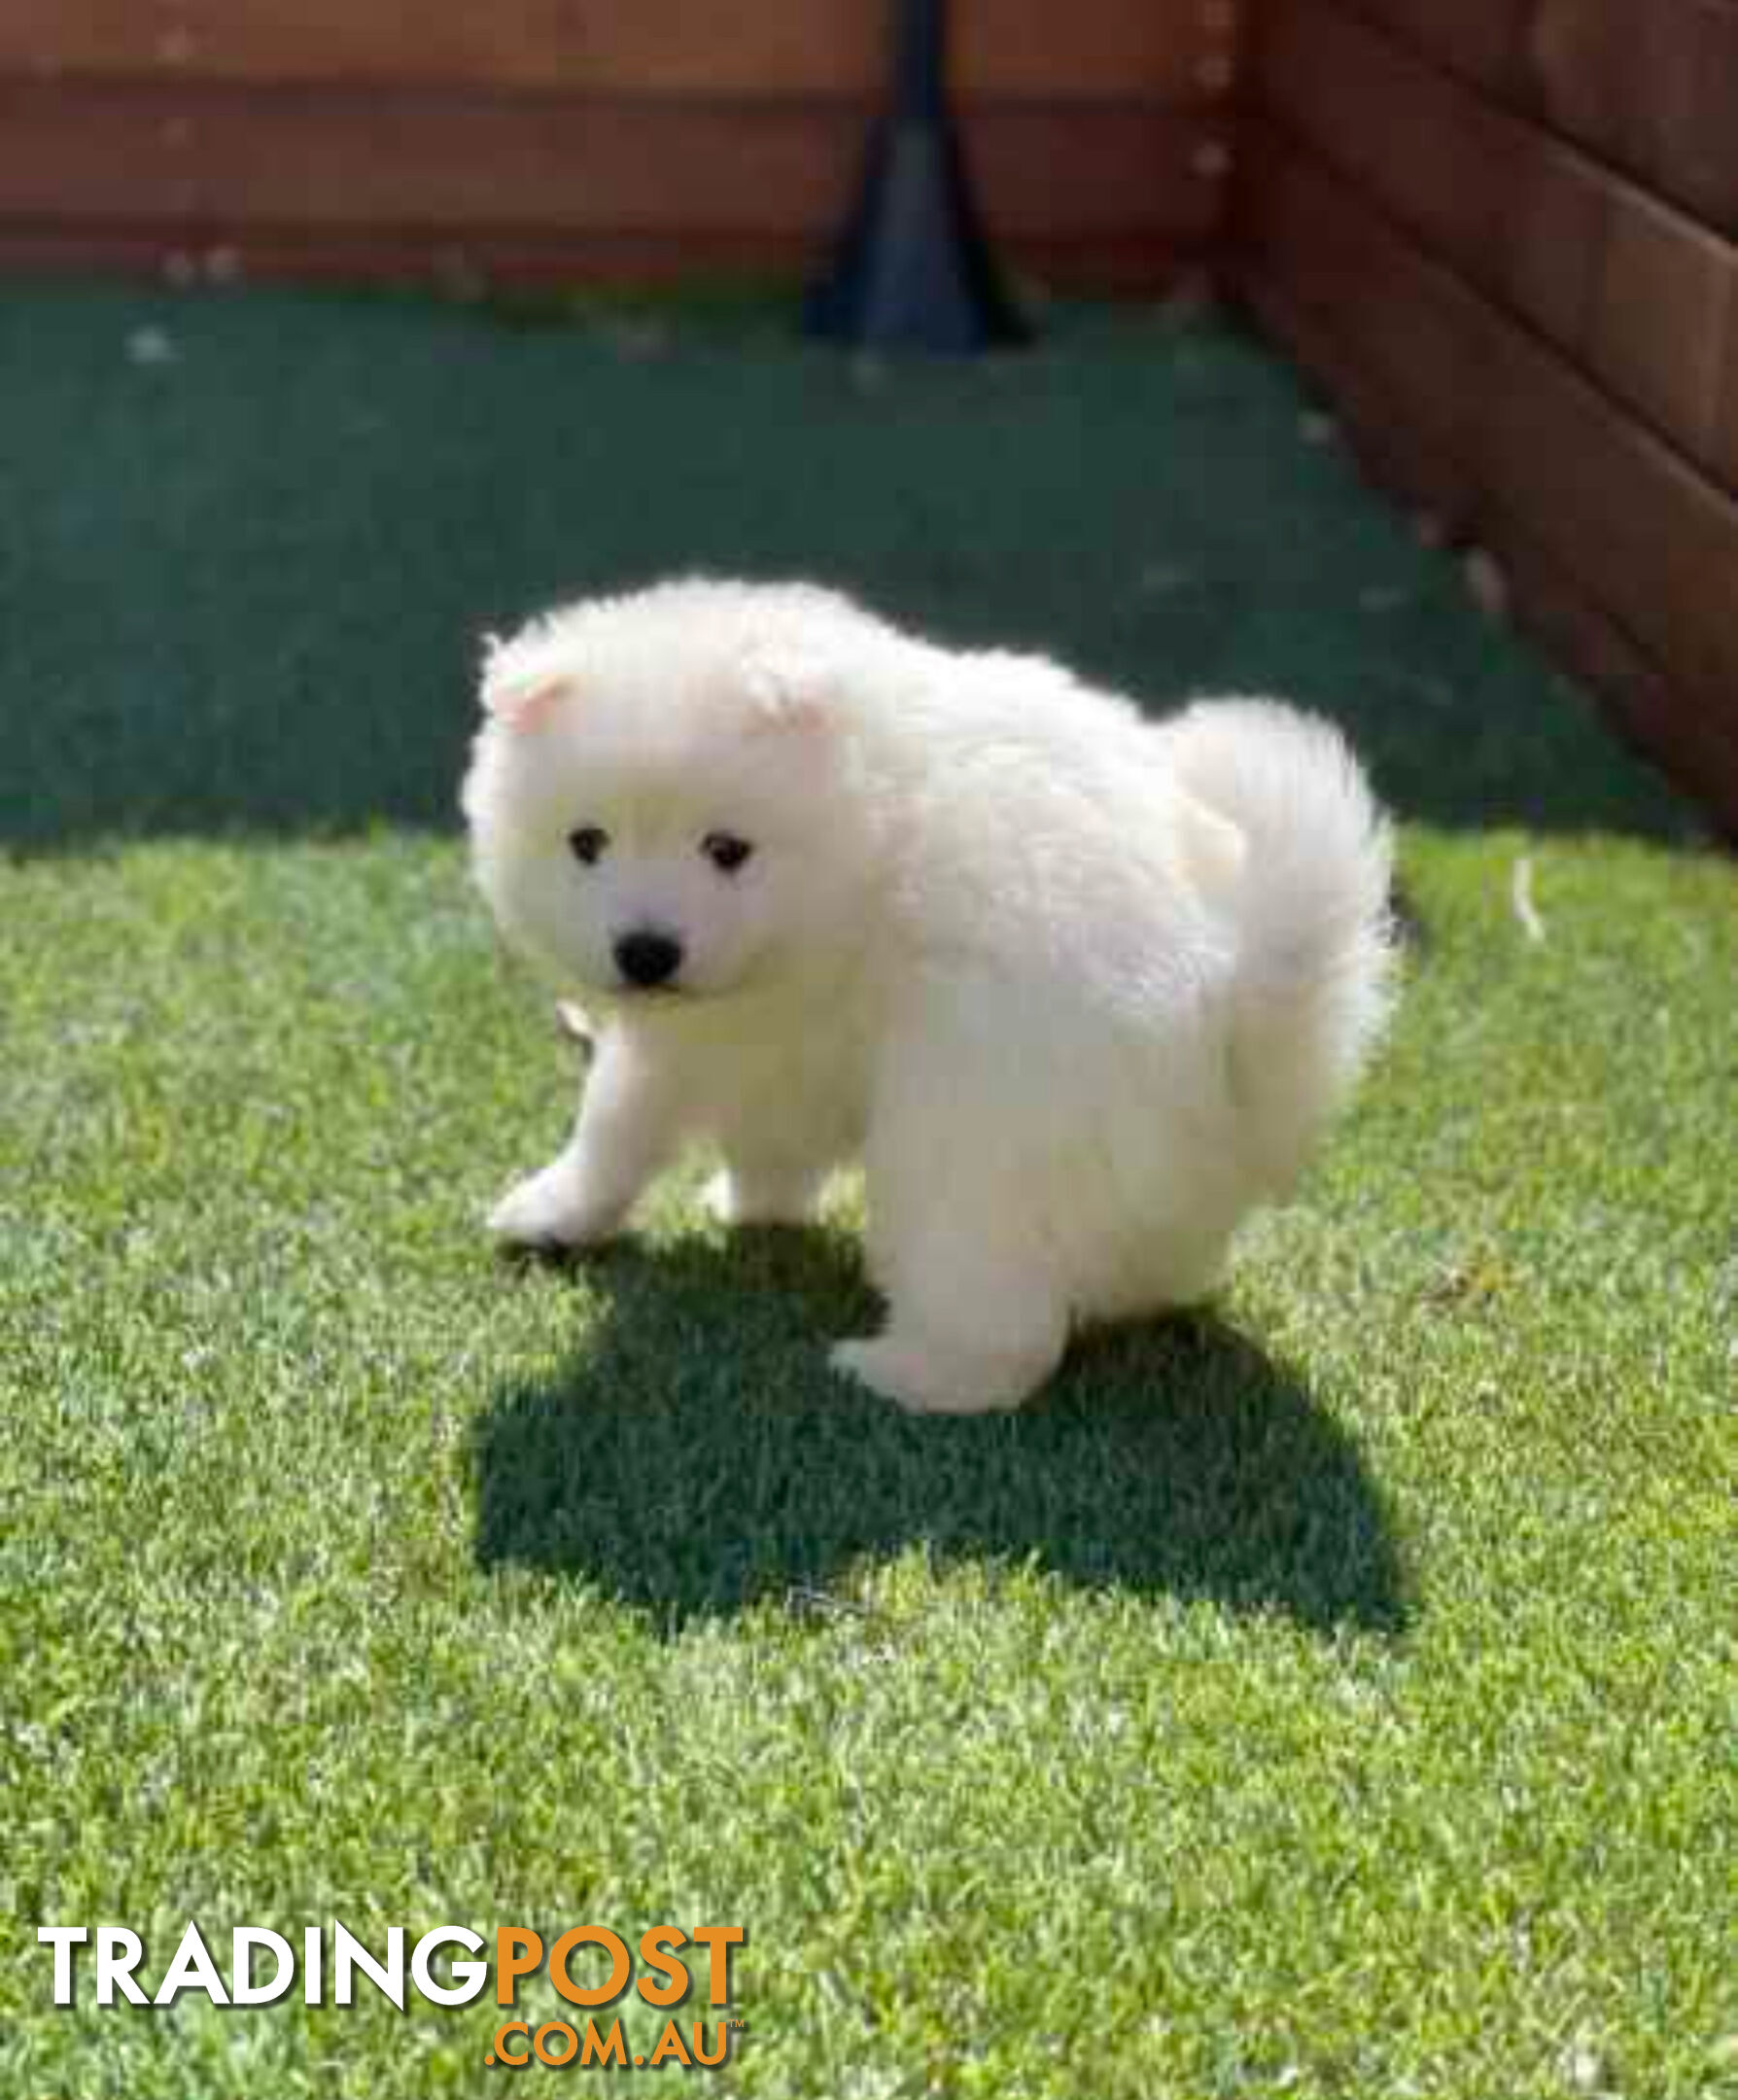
[(1176, 1457)]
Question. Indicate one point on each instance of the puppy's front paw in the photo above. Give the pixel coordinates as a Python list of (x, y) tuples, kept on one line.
[(922, 1383), (550, 1210)]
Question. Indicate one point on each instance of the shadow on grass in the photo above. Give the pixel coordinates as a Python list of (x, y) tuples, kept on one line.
[(700, 1456)]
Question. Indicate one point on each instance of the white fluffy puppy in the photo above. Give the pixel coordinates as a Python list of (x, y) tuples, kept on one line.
[(1077, 989)]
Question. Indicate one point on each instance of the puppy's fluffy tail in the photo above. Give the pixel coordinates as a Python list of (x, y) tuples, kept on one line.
[(1308, 896)]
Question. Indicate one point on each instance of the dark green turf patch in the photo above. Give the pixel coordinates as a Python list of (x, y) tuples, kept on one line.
[(245, 589)]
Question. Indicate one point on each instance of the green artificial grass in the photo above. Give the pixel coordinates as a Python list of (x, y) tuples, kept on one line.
[(1328, 1693)]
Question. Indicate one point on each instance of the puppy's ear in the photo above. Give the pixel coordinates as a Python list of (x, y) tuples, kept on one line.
[(521, 683), (788, 686)]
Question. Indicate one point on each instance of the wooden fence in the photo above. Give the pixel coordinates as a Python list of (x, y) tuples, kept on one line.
[(1501, 231), (618, 137), (1502, 234)]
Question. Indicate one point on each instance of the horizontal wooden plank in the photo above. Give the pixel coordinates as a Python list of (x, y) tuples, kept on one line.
[(1521, 216), (1485, 39), (1066, 170), (1438, 156), (1637, 293), (1692, 741), (1550, 260), (1654, 541), (1647, 86), (1585, 58), (1688, 739), (1428, 349), (320, 159), (1728, 440), (1684, 129), (191, 252), (1666, 312), (1096, 49), (1649, 542), (1654, 88), (1132, 265)]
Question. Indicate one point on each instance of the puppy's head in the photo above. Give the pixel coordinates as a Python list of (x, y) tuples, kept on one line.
[(661, 798)]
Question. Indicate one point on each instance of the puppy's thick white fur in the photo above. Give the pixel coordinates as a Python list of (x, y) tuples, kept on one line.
[(1078, 989)]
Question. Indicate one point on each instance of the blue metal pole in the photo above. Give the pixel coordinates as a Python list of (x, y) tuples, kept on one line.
[(913, 269)]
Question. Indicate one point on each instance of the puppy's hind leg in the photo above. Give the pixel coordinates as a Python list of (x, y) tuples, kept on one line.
[(764, 1192), (978, 1311), (777, 1158), (967, 1333)]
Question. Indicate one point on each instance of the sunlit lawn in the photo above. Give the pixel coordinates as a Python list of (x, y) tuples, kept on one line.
[(1329, 1693)]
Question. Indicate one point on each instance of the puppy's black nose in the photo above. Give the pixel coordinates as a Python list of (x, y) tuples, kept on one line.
[(649, 958)]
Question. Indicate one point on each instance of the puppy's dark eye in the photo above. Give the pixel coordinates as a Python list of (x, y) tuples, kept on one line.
[(588, 845), (725, 850)]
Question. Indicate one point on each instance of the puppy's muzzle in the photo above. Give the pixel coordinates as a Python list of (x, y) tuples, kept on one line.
[(648, 958)]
